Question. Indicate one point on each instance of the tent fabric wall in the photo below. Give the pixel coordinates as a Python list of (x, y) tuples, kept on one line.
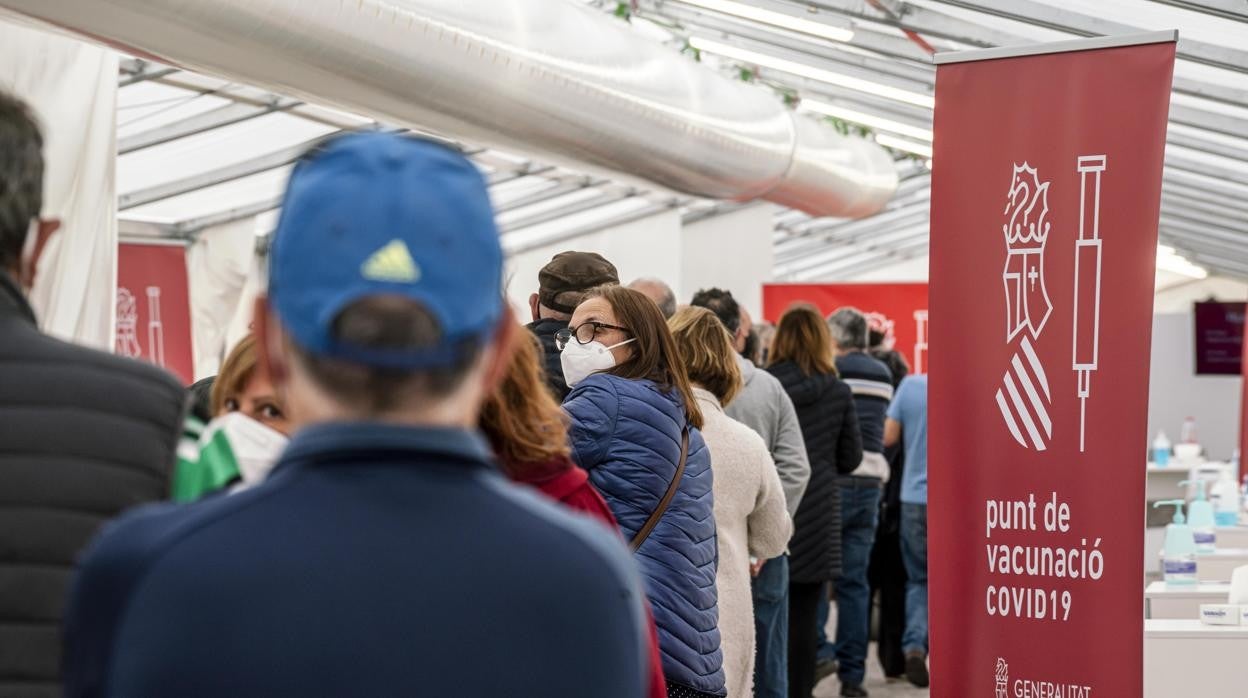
[(220, 265), (72, 87)]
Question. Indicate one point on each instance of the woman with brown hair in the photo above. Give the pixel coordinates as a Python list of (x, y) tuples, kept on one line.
[(527, 431), (634, 426), (240, 387), (750, 515), (248, 431), (801, 358)]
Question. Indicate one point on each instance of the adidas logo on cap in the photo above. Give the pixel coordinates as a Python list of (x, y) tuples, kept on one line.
[(391, 263)]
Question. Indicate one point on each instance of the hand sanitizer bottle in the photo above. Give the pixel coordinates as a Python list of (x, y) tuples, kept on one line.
[(1187, 434), (1161, 449), (1225, 496), (1201, 518), (1178, 559)]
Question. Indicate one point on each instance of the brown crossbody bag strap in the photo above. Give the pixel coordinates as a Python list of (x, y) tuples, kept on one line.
[(653, 521)]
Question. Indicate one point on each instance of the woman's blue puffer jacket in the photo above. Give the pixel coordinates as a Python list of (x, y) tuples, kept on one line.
[(626, 433)]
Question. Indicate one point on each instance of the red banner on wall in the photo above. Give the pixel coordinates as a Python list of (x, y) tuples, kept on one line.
[(901, 308), (1045, 200), (1243, 412), (153, 307)]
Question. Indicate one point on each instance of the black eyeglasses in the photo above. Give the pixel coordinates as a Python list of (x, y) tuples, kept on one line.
[(584, 333)]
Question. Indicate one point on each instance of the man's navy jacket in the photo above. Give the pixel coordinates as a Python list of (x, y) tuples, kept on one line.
[(376, 561)]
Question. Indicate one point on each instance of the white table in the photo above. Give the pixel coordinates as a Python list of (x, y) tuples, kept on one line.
[(1217, 566), (1188, 658), (1183, 603), (1232, 537), (1162, 481)]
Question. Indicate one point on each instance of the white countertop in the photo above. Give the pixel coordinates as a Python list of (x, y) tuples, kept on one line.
[(1173, 629), (1224, 553), (1203, 589)]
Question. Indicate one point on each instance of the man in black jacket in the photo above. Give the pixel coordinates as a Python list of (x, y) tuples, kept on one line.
[(561, 285), (83, 434)]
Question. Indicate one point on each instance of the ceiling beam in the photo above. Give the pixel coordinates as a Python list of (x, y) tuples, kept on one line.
[(1236, 10), (226, 115), (552, 192), (229, 173), (854, 267), (934, 23), (922, 85), (1059, 19), (587, 229), (908, 63), (600, 199)]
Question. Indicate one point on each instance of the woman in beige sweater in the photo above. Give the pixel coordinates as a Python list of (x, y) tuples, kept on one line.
[(750, 514)]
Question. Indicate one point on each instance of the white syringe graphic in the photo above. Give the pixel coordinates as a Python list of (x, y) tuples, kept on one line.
[(1087, 315), (920, 342), (155, 328)]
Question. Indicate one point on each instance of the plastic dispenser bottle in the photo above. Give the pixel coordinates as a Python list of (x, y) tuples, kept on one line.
[(1200, 518), (1161, 449), (1187, 434), (1226, 500), (1178, 560)]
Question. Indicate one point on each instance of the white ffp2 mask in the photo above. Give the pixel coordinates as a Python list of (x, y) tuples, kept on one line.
[(580, 360)]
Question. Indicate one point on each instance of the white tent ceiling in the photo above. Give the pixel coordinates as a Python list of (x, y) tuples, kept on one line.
[(196, 151)]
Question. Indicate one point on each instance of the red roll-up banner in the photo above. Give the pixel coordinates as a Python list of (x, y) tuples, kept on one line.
[(1046, 192), (153, 306), (1243, 411), (899, 308)]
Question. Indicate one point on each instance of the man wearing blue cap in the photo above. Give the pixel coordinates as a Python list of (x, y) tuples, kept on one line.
[(385, 555)]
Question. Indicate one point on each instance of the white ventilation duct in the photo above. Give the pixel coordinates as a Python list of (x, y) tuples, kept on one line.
[(542, 77)]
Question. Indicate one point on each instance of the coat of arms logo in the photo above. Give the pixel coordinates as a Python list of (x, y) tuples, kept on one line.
[(1024, 396)]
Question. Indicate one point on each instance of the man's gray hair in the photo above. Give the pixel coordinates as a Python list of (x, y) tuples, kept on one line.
[(664, 298), (849, 328)]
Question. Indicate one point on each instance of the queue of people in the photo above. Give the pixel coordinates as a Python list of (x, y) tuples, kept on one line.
[(399, 489)]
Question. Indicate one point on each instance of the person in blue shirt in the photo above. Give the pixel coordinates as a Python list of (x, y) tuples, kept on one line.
[(907, 419), (386, 554)]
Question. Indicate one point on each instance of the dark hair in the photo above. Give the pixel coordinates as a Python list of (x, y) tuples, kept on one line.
[(200, 404), (849, 328), (896, 364), (654, 353), (803, 338), (391, 323), (753, 347), (720, 302), (21, 177), (706, 348)]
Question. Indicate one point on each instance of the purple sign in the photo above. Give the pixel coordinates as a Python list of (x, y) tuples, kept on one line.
[(1219, 338)]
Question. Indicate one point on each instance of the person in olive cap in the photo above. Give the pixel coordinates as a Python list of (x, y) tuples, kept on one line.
[(385, 550), (561, 285)]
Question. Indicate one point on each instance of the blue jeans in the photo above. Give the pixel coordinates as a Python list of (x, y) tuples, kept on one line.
[(771, 629), (914, 554), (860, 510), (827, 650)]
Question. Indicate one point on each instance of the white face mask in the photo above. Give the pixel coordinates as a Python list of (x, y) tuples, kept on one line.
[(580, 360)]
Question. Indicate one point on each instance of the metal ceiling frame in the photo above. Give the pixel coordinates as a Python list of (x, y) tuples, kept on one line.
[(1204, 203)]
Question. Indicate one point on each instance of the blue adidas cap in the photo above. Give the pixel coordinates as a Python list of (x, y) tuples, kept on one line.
[(382, 214)]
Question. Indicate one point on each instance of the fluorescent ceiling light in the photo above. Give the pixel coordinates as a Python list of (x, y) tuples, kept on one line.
[(807, 71), (1171, 261), (775, 19), (924, 149), (867, 119)]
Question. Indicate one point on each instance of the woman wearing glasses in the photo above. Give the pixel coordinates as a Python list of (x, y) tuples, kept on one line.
[(634, 427)]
